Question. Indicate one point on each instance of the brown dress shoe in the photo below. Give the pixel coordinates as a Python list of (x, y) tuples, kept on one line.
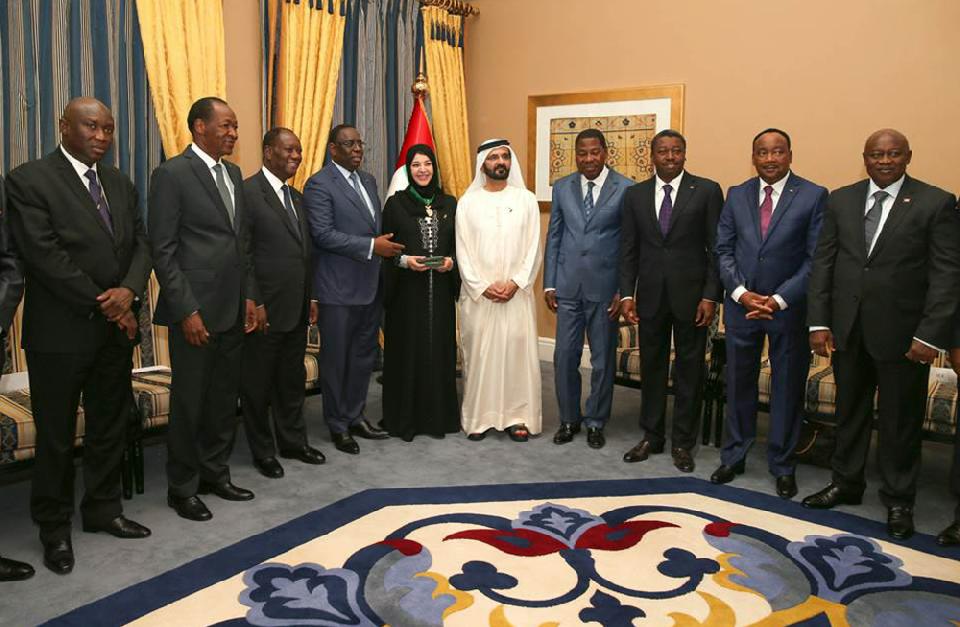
[(682, 459), (642, 451)]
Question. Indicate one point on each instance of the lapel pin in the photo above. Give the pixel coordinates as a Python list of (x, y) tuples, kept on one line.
[(906, 200)]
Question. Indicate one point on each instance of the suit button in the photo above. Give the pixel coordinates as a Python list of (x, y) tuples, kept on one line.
[(761, 258), (866, 268), (583, 253)]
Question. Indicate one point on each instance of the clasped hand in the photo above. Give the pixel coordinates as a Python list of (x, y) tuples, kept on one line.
[(759, 307), (501, 291)]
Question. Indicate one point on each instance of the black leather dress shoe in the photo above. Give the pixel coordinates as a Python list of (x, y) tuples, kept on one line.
[(900, 522), (726, 474), (120, 527), (225, 490), (787, 486), (345, 443), (307, 455), (367, 431), (642, 451), (58, 556), (189, 507), (831, 496), (12, 570), (476, 437), (950, 536), (269, 467), (565, 433), (682, 459), (595, 438)]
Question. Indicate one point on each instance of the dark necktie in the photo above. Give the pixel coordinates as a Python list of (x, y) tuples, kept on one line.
[(766, 211), (588, 198), (97, 195), (666, 210), (224, 192), (871, 221), (291, 213)]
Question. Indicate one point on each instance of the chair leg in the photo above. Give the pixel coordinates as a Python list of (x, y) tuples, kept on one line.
[(718, 422), (126, 473), (707, 426), (138, 464)]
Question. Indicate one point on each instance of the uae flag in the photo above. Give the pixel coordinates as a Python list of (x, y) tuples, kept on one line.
[(418, 132)]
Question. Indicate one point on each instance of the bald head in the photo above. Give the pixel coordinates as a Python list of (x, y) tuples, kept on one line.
[(86, 129), (886, 155)]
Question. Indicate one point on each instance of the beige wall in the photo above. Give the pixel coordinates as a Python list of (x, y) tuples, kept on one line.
[(241, 25), (827, 72)]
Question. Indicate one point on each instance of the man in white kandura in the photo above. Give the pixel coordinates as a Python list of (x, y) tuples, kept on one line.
[(498, 253)]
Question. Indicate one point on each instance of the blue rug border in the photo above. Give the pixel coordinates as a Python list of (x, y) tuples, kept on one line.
[(147, 596)]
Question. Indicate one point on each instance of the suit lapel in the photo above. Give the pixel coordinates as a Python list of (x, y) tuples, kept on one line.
[(649, 205), (113, 189), (688, 184), (899, 210), (753, 202), (576, 193), (270, 196), (348, 190), (70, 179), (783, 205), (205, 177), (606, 192)]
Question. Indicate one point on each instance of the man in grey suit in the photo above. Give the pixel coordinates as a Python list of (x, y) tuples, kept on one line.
[(344, 213), (198, 234), (580, 284), (273, 372)]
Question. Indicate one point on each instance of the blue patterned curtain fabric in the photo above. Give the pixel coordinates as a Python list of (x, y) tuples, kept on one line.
[(55, 50), (382, 44)]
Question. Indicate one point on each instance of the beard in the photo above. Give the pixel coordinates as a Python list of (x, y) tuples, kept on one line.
[(497, 173)]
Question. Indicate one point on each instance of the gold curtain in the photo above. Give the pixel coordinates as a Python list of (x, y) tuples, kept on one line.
[(183, 51), (302, 73), (448, 101)]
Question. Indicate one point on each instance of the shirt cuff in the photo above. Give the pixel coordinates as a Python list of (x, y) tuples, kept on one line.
[(626, 298), (780, 301), (928, 344), (812, 329), (737, 293), (549, 289), (370, 253), (402, 262)]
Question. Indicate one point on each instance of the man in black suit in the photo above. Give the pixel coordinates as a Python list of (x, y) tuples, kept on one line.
[(77, 225), (344, 213), (11, 289), (883, 292), (951, 535), (670, 286), (201, 249), (273, 372)]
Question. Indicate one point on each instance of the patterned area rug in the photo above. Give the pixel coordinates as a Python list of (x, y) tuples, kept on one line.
[(610, 553)]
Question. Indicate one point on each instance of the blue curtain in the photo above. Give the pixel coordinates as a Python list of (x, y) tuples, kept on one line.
[(55, 50), (382, 45)]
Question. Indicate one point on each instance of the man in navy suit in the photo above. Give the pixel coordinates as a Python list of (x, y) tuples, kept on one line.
[(765, 242), (344, 213), (580, 284)]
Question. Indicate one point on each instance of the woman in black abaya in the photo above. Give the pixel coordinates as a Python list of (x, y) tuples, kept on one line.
[(420, 348)]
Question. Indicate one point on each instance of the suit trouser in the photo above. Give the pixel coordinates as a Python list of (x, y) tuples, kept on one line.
[(688, 376), (57, 381), (901, 389), (348, 350), (272, 379), (203, 408), (574, 316), (955, 469), (789, 355)]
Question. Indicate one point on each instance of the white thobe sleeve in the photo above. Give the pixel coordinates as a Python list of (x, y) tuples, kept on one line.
[(526, 273), (471, 280)]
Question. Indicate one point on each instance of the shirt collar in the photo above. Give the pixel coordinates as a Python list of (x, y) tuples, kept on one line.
[(345, 172), (893, 188), (778, 186), (599, 181), (674, 184), (78, 165), (207, 159), (275, 182)]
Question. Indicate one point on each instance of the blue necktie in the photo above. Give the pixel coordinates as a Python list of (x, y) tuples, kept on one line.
[(291, 213), (666, 210), (355, 179), (588, 198), (97, 195)]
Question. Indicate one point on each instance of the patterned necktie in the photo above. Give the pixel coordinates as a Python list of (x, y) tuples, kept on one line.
[(666, 210), (588, 198), (97, 195), (224, 192), (871, 221), (766, 211), (291, 213), (355, 179)]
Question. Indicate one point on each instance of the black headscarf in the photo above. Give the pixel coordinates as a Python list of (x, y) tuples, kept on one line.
[(431, 190)]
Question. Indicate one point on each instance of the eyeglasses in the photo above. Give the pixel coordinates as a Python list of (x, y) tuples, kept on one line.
[(350, 143)]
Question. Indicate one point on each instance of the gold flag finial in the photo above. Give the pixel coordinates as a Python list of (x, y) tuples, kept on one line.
[(420, 88)]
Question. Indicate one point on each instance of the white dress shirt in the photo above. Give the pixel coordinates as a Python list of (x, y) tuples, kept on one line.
[(210, 162), (775, 197), (277, 185), (366, 199), (659, 193), (81, 169)]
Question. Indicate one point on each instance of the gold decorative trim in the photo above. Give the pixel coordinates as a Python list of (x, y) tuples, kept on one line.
[(457, 7)]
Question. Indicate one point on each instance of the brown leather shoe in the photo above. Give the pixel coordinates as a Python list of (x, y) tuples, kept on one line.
[(642, 451), (682, 459)]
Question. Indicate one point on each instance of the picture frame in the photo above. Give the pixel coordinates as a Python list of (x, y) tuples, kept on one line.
[(628, 118)]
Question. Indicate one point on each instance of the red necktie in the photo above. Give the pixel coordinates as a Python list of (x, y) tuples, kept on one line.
[(766, 210)]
